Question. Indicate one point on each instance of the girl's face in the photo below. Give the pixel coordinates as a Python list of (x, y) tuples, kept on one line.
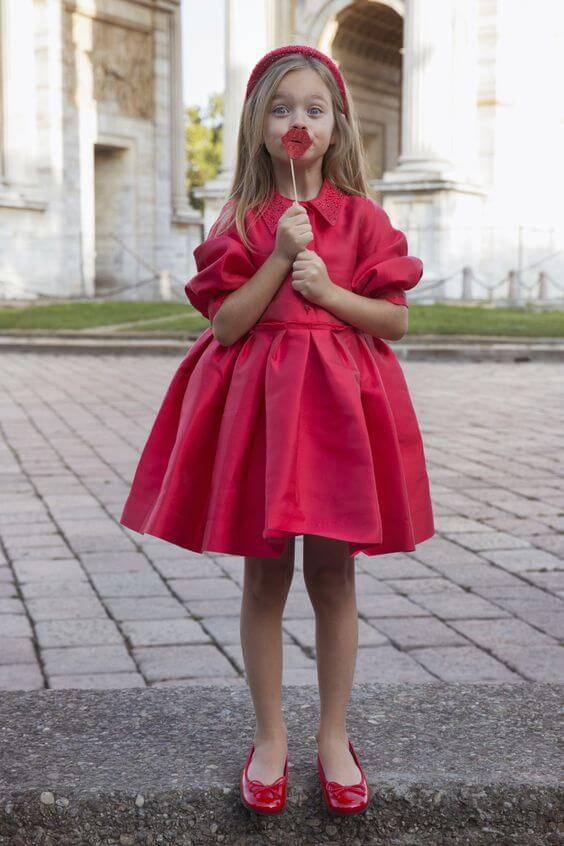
[(301, 100)]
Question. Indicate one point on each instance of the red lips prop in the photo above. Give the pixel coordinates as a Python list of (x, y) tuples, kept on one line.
[(296, 142)]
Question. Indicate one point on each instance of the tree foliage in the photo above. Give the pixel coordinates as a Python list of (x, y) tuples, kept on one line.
[(204, 145)]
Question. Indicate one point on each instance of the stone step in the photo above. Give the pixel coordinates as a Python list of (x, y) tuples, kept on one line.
[(449, 764), (412, 349)]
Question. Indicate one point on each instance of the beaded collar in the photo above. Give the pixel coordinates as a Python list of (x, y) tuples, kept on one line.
[(328, 202)]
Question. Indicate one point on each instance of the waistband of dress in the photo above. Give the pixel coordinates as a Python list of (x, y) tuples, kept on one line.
[(282, 324)]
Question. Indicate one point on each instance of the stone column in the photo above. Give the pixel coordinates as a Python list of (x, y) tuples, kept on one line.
[(433, 194), (18, 142), (181, 211), (439, 91), (249, 33)]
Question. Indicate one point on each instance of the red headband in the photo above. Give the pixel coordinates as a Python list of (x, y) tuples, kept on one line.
[(273, 55)]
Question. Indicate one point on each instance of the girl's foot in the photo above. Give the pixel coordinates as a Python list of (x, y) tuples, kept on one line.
[(267, 763), (338, 763)]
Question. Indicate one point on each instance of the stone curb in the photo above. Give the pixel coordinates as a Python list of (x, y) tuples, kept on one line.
[(413, 348), (454, 764)]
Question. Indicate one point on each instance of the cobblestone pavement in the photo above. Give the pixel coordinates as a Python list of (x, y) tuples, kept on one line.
[(85, 602)]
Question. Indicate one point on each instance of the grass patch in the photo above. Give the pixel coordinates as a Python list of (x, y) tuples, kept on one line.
[(437, 319), (84, 315)]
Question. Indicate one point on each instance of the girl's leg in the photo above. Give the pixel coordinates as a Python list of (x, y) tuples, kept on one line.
[(266, 586), (329, 579)]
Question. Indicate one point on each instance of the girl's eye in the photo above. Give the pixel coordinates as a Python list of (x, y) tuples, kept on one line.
[(283, 107)]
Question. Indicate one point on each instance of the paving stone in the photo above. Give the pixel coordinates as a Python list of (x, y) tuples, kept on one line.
[(463, 664), (415, 586), (14, 625), (97, 681), (477, 572), (549, 621), (44, 553), (57, 588), (452, 605), (400, 568), (158, 663), (550, 581), (437, 552), (550, 543), (298, 605), (71, 660), (418, 631), (536, 663), (17, 650), (389, 665), (30, 530), (520, 560), (501, 631), (228, 607), (65, 608), (96, 632), (518, 591), (388, 606), (177, 568), (190, 589), (478, 541), (457, 523), (530, 508), (107, 542), (61, 570), (480, 509), (164, 632), (525, 527), (12, 605), (218, 681), (120, 562), (15, 545), (129, 584), (21, 677), (145, 608)]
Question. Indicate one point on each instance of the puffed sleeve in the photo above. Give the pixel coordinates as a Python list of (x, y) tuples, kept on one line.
[(223, 265), (383, 267)]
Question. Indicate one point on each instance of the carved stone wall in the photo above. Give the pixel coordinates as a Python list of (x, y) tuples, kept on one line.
[(122, 64)]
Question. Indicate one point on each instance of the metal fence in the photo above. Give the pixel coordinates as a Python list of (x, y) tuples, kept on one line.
[(526, 283)]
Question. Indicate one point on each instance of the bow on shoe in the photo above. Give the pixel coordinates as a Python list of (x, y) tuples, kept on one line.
[(334, 788), (265, 792)]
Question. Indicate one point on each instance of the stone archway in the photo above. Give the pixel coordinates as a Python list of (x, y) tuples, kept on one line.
[(365, 39)]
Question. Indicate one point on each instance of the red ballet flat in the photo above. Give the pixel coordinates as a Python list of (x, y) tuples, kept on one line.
[(345, 798), (260, 797)]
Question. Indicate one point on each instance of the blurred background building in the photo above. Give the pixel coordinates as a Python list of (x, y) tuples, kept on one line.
[(461, 115)]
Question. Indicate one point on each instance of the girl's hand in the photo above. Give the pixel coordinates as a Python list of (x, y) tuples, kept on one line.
[(293, 232), (310, 277)]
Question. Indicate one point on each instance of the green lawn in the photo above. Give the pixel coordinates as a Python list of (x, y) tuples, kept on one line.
[(423, 319)]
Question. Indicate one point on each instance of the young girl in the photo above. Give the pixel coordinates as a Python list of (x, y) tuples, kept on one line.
[(290, 415)]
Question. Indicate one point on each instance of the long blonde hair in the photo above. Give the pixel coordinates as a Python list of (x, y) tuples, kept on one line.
[(253, 183)]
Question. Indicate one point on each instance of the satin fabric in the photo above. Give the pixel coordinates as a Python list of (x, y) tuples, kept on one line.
[(305, 424)]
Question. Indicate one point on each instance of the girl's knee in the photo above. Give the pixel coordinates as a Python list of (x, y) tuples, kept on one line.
[(329, 570), (270, 577)]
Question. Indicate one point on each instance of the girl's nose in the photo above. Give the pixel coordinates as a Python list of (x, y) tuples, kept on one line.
[(298, 124)]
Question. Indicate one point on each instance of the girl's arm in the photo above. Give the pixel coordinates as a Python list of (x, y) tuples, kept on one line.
[(243, 308), (378, 317)]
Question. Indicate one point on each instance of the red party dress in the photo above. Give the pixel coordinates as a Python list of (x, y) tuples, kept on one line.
[(305, 424)]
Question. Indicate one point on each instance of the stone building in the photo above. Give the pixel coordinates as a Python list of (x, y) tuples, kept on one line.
[(460, 111), (462, 122), (92, 151)]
